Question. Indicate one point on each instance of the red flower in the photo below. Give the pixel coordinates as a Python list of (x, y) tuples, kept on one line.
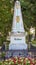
[(14, 60), (32, 64), (24, 61), (19, 60)]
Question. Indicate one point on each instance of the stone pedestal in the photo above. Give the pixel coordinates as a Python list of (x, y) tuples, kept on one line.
[(17, 42)]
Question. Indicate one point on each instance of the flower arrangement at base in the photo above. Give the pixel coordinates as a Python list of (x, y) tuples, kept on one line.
[(19, 61)]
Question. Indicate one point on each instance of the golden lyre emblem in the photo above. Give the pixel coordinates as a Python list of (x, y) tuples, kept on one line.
[(17, 18), (17, 6)]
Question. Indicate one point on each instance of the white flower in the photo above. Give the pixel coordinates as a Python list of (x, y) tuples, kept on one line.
[(26, 59)]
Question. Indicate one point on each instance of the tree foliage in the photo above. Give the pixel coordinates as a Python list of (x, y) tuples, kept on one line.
[(6, 15)]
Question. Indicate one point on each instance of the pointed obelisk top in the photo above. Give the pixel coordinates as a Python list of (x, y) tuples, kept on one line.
[(17, 25)]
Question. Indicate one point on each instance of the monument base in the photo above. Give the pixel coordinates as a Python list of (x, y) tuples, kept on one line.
[(16, 53), (20, 53)]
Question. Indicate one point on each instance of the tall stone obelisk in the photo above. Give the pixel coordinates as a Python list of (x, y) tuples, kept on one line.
[(17, 39)]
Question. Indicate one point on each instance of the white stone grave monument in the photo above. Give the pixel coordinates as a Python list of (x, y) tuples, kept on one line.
[(17, 39)]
